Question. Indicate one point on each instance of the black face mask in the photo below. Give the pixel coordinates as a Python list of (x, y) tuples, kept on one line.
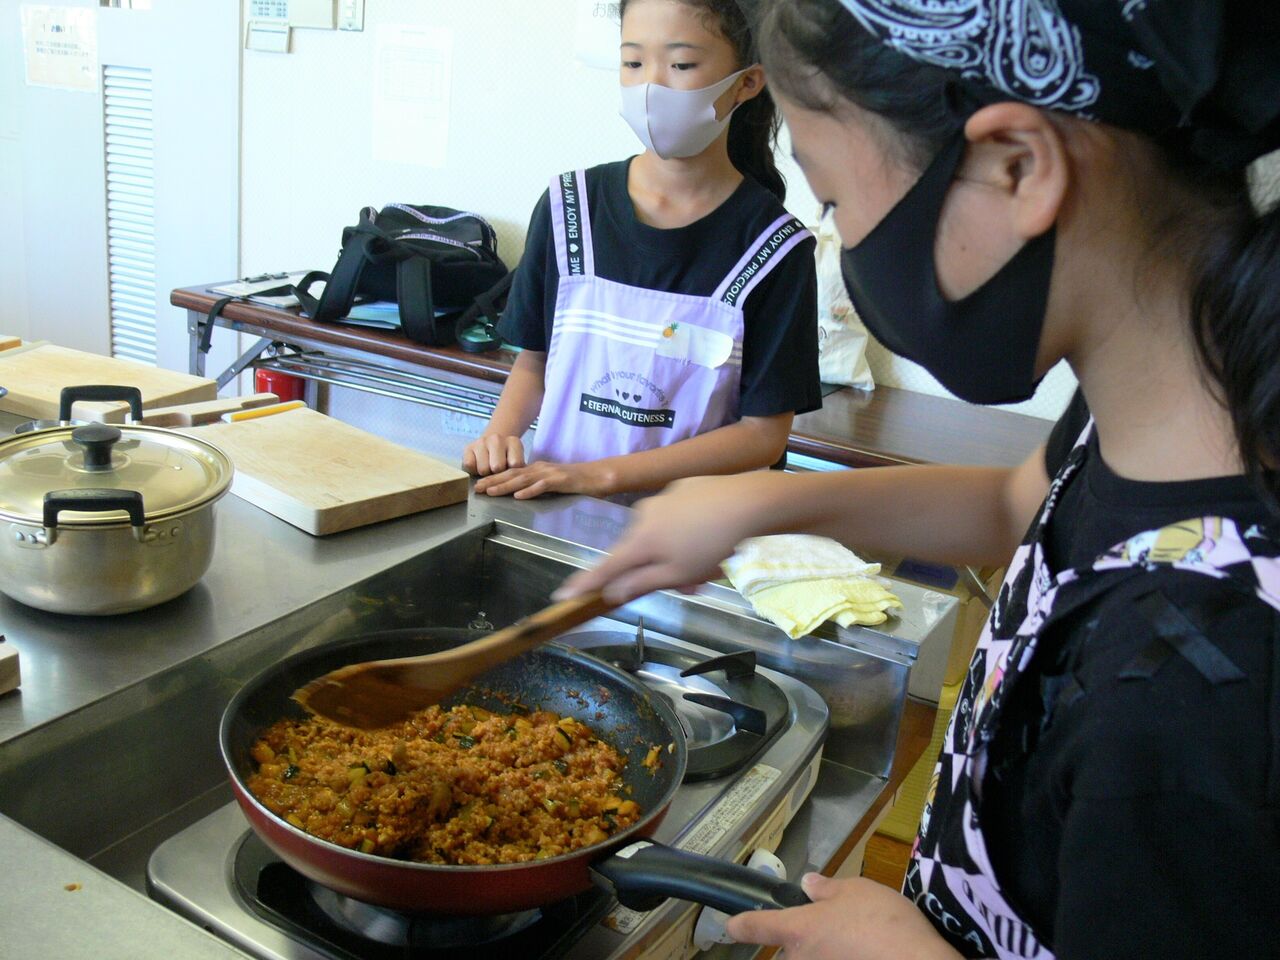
[(982, 348)]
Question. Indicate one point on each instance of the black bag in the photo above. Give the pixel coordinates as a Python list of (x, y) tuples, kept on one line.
[(426, 259)]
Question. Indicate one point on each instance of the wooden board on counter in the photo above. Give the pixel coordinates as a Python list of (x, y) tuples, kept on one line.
[(10, 675), (207, 411), (35, 375), (324, 476)]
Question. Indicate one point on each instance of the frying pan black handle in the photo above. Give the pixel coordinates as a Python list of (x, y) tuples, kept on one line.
[(644, 874)]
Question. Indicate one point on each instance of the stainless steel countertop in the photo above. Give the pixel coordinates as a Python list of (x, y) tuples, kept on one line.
[(47, 915), (263, 569)]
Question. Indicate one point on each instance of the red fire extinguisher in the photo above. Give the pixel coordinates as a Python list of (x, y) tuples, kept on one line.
[(284, 385)]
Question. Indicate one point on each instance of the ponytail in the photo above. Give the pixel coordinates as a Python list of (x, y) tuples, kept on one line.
[(1235, 311), (753, 134)]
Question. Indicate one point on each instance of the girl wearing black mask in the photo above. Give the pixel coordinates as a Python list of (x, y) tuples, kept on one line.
[(1019, 182)]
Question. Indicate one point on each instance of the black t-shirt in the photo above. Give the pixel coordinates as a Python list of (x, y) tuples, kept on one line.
[(1132, 802), (1099, 509), (780, 338)]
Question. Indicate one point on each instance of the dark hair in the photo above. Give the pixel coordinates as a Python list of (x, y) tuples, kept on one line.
[(1235, 312), (753, 131), (819, 56)]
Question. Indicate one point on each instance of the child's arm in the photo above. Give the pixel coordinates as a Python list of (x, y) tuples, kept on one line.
[(500, 447), (749, 443), (974, 515)]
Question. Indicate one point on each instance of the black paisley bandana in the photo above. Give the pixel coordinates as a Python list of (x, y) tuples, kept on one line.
[(1203, 75)]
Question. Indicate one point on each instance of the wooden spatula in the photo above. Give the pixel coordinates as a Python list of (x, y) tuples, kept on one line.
[(378, 693)]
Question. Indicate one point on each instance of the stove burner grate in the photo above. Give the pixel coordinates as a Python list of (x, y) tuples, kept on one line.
[(415, 931), (728, 717), (345, 929)]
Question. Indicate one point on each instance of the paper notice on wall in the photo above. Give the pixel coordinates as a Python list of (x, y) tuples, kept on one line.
[(413, 75), (60, 46), (596, 34)]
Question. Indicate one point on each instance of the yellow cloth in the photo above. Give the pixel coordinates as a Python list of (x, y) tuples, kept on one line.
[(799, 582)]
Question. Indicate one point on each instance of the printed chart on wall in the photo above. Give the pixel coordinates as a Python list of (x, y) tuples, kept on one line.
[(60, 47), (413, 71)]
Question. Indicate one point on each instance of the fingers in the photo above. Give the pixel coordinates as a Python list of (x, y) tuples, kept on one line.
[(817, 887), (515, 452), (631, 571), (496, 447), (535, 489), (481, 451), (505, 483), (778, 928), (476, 459), (579, 583), (521, 481), (624, 558), (639, 581), (493, 454)]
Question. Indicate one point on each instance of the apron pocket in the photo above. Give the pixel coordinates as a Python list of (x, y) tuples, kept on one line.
[(698, 345)]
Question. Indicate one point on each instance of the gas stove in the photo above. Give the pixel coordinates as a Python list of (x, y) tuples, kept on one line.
[(755, 740)]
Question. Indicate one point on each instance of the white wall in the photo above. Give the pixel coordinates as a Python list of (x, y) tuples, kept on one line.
[(13, 274), (51, 151), (53, 242), (522, 110)]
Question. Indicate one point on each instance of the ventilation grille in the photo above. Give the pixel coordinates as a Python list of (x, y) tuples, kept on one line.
[(131, 224)]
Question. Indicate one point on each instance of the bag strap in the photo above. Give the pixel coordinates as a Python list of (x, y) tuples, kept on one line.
[(302, 290), (486, 305), (340, 286), (417, 307)]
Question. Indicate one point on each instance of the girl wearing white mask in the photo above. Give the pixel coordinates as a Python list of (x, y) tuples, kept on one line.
[(665, 304)]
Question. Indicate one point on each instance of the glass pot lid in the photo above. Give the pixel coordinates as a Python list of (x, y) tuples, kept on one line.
[(174, 472)]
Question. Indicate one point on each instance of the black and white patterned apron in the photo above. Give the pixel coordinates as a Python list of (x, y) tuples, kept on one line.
[(950, 877)]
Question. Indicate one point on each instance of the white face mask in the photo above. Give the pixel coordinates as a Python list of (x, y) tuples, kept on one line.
[(676, 123)]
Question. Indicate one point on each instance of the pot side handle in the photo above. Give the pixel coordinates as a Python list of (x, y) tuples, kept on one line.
[(645, 873), (93, 500)]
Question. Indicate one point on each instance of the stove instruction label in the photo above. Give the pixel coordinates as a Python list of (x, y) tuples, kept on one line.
[(725, 815)]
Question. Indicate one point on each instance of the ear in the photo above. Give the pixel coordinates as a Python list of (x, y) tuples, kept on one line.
[(750, 84), (1018, 149)]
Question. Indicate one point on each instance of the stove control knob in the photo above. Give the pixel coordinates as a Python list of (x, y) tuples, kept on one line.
[(709, 929)]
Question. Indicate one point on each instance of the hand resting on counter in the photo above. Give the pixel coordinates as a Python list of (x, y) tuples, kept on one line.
[(526, 482), (856, 919), (492, 453)]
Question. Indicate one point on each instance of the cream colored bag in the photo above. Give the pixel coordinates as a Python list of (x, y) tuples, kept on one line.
[(842, 339)]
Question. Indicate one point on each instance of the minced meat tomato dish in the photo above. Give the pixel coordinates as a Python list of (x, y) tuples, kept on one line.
[(457, 786)]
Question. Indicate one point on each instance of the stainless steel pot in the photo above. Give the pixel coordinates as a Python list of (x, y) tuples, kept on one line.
[(101, 519)]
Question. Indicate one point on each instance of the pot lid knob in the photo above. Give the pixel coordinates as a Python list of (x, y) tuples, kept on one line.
[(97, 440)]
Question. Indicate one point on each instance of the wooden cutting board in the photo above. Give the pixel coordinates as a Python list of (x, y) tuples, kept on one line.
[(207, 411), (10, 676), (35, 375), (323, 475)]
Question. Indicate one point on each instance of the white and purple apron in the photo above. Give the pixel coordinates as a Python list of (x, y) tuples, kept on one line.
[(631, 369), (950, 877)]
